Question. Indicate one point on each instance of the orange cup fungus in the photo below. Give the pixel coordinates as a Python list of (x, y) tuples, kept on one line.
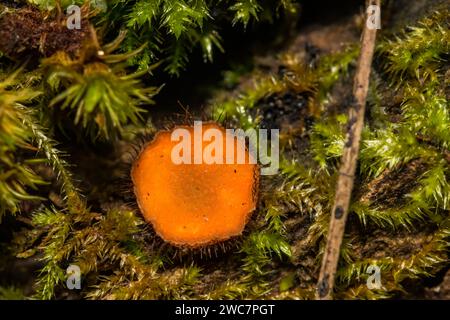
[(195, 204)]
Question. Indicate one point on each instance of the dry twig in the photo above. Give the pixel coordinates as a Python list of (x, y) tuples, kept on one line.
[(348, 163)]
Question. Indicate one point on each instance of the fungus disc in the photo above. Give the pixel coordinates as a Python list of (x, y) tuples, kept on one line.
[(194, 204)]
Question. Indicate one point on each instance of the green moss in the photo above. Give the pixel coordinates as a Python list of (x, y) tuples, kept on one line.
[(98, 92), (11, 293), (279, 255), (16, 176), (419, 50)]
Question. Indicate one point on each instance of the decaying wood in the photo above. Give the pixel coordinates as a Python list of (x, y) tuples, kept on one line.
[(349, 159)]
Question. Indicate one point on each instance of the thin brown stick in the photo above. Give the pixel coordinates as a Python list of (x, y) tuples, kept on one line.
[(348, 164)]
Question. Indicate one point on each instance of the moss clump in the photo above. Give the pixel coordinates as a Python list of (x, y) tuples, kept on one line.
[(16, 176)]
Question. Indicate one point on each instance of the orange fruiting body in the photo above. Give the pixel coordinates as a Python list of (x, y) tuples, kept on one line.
[(194, 205)]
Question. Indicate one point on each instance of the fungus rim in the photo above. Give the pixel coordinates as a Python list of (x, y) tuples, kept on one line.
[(255, 196)]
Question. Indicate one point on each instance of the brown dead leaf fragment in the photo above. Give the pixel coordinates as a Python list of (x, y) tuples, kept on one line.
[(28, 31)]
